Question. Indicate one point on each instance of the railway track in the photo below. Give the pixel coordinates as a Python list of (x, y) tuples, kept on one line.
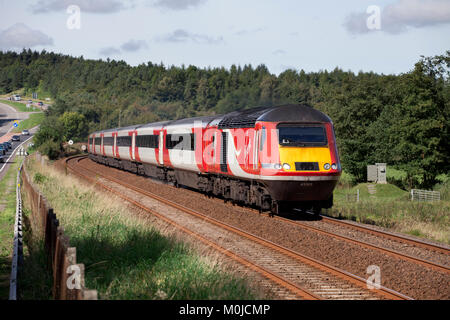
[(389, 235), (400, 255), (299, 275)]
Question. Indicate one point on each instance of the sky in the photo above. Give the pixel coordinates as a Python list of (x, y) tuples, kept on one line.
[(383, 36)]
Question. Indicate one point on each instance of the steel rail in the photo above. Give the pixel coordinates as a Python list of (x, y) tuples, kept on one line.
[(292, 287), (399, 255), (385, 292), (389, 235)]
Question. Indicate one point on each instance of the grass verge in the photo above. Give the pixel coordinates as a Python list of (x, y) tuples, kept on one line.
[(390, 207), (20, 107), (127, 258), (33, 120), (7, 218)]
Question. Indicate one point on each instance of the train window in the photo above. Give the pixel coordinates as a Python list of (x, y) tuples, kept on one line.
[(123, 141), (90, 141), (108, 141), (298, 135), (147, 141), (182, 141), (263, 138), (98, 141)]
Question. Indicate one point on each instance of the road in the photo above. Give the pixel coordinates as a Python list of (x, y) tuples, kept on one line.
[(7, 116), (9, 157)]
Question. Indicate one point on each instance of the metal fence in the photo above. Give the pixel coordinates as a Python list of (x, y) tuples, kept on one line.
[(68, 276), (17, 257), (425, 195), (353, 196)]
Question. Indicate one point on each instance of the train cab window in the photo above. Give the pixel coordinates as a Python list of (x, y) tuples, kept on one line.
[(90, 141), (301, 135), (98, 141), (182, 141), (147, 141), (123, 141)]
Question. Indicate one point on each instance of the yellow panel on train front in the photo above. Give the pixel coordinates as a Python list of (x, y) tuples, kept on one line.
[(291, 155)]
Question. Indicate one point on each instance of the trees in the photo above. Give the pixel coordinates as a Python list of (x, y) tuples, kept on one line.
[(419, 129), (74, 126), (402, 120)]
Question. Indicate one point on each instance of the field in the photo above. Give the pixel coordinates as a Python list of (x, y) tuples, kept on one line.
[(391, 207), (125, 256)]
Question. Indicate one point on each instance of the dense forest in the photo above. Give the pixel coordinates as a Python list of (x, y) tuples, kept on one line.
[(399, 119)]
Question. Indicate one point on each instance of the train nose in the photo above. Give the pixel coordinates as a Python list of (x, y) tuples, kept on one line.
[(312, 188)]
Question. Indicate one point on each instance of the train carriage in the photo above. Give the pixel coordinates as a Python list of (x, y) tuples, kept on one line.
[(268, 157)]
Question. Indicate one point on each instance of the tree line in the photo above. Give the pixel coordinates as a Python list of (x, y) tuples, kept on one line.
[(399, 119)]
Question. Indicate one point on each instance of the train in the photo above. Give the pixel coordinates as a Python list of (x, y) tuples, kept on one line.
[(271, 158)]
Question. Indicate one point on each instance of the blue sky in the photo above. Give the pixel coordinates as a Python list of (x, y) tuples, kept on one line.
[(309, 35)]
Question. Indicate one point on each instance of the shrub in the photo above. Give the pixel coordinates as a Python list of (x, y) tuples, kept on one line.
[(51, 149), (38, 178), (347, 180)]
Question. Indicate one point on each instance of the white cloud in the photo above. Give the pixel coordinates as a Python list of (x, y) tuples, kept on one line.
[(21, 36), (244, 32), (92, 6), (178, 4), (109, 51), (278, 52), (129, 46), (403, 14), (134, 45), (181, 35)]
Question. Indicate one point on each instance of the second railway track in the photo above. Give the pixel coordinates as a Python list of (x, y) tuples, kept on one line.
[(300, 275)]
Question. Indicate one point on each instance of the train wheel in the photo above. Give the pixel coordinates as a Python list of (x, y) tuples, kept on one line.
[(317, 210)]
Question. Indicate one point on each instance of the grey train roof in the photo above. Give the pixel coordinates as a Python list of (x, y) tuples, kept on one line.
[(248, 117), (285, 113)]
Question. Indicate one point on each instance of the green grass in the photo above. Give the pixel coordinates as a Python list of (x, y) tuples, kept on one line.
[(391, 207), (7, 219), (20, 107), (34, 120), (35, 278), (383, 192), (125, 257)]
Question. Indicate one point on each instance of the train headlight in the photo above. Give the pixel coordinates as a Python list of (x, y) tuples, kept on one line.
[(278, 166), (326, 166), (334, 166), (286, 166)]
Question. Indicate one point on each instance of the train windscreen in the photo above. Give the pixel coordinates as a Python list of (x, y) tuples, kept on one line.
[(297, 135)]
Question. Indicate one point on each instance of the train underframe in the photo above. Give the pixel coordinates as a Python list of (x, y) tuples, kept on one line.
[(274, 196)]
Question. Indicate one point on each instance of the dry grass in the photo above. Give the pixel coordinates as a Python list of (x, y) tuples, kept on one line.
[(126, 257)]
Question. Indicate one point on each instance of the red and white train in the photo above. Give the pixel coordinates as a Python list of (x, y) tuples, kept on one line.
[(267, 157)]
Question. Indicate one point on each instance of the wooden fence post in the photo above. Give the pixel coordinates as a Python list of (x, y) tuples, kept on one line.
[(59, 256)]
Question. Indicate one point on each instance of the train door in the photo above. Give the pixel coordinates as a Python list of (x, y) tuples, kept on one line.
[(255, 149), (114, 135), (133, 143), (223, 152), (161, 147)]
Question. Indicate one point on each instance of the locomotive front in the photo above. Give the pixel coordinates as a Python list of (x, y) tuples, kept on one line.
[(305, 168)]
